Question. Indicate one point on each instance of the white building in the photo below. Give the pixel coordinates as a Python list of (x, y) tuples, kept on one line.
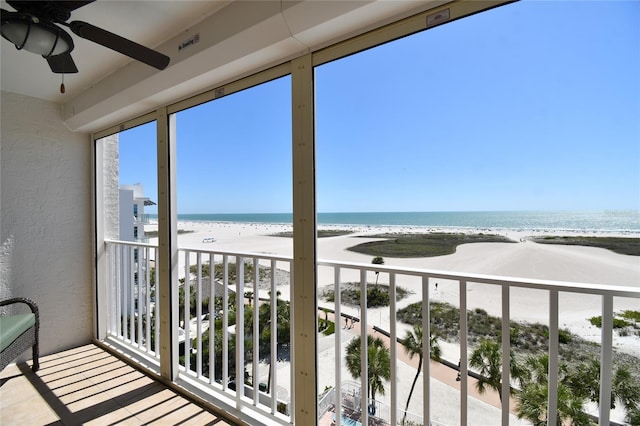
[(132, 217)]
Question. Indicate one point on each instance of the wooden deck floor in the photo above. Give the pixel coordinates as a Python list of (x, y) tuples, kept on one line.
[(88, 386)]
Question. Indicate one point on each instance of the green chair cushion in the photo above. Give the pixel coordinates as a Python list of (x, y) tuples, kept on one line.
[(12, 326)]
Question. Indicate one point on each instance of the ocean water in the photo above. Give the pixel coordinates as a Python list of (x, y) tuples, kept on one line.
[(607, 221)]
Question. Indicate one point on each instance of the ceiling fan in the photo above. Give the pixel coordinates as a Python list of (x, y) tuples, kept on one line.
[(35, 26)]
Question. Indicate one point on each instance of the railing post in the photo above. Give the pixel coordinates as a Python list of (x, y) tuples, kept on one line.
[(239, 329), (506, 354), (212, 318), (463, 353), (364, 360), (393, 342), (426, 360), (256, 328), (606, 359), (552, 404), (118, 290), (338, 345), (131, 303), (187, 314), (156, 315), (273, 325), (199, 314), (225, 322)]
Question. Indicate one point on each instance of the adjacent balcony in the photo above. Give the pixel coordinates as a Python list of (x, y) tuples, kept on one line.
[(141, 219), (235, 348)]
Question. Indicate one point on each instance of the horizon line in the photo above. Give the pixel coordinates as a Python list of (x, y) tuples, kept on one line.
[(622, 210)]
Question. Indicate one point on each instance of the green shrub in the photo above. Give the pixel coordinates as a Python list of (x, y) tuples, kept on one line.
[(377, 295), (326, 327), (617, 322), (620, 323), (331, 328), (564, 336), (631, 315), (597, 321)]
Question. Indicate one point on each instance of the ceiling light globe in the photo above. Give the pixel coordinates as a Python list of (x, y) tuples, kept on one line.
[(37, 37)]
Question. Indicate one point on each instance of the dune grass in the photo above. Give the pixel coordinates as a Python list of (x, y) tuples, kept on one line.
[(620, 245), (423, 245), (525, 338), (377, 294)]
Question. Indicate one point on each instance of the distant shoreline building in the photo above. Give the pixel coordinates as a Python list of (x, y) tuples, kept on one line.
[(132, 216)]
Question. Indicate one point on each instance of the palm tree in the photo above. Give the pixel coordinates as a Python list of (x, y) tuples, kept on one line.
[(378, 365), (378, 260), (487, 360), (585, 381), (412, 343), (533, 397), (283, 330), (626, 389)]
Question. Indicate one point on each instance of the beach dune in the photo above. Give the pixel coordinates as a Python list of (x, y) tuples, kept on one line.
[(521, 259)]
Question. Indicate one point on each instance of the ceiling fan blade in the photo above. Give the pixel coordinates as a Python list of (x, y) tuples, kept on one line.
[(62, 64), (56, 10), (120, 44)]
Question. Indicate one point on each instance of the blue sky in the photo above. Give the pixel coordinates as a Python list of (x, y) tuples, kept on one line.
[(531, 106)]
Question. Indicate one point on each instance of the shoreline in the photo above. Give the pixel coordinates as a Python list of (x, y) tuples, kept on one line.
[(360, 228)]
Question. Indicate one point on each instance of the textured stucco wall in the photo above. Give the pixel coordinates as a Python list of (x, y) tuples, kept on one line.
[(45, 226), (110, 190)]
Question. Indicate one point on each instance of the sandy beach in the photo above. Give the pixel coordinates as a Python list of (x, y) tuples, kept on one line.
[(522, 259)]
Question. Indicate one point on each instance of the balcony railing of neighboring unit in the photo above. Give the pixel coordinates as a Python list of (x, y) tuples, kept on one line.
[(141, 218), (221, 331)]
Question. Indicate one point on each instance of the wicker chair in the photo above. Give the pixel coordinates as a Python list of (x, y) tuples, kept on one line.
[(18, 333)]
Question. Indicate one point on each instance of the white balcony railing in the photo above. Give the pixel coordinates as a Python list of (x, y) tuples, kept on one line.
[(141, 219), (222, 334)]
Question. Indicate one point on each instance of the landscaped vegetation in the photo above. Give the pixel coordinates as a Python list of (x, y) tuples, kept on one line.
[(377, 294), (378, 364), (422, 245), (620, 245), (264, 337), (216, 324), (625, 323), (325, 326), (414, 346), (579, 368)]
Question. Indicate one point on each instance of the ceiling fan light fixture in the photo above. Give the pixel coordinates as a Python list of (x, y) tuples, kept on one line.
[(30, 33)]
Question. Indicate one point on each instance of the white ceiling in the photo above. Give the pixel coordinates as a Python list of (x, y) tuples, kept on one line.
[(235, 38), (147, 22)]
